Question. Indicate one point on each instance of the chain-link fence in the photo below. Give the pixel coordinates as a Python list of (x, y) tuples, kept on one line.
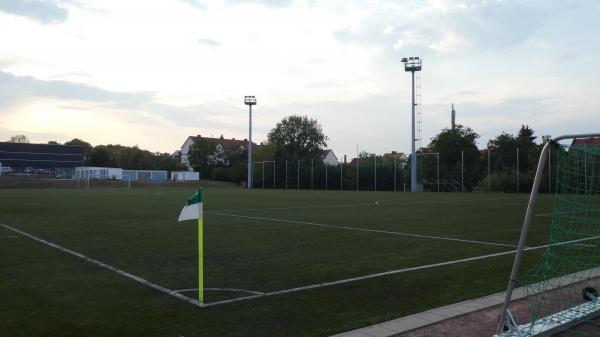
[(487, 170)]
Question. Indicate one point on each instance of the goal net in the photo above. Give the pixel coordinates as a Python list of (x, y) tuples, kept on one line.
[(561, 290)]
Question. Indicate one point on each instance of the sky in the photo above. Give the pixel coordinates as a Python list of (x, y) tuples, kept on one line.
[(151, 73)]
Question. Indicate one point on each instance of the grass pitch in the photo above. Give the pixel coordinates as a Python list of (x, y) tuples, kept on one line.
[(260, 241)]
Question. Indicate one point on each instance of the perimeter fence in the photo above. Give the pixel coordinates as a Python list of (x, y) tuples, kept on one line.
[(486, 171)]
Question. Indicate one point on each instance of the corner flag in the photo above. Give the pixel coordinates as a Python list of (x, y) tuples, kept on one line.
[(193, 210)]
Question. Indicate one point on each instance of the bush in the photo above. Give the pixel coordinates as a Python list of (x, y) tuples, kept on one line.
[(506, 182)]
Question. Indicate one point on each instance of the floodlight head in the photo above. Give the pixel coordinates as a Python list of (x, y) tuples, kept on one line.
[(412, 64), (249, 100)]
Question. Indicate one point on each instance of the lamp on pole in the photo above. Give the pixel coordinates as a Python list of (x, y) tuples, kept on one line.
[(412, 64), (250, 101)]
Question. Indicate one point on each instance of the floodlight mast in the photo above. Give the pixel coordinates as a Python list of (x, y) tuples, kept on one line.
[(250, 101), (413, 64)]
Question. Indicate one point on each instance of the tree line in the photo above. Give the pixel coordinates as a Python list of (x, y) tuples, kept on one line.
[(126, 157), (291, 158)]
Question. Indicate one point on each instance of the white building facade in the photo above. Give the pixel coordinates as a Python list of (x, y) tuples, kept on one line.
[(329, 158)]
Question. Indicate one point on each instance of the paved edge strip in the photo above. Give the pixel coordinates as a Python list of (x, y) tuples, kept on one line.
[(106, 266), (421, 236), (429, 317)]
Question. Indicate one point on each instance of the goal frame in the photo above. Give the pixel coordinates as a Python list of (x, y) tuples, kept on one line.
[(505, 316)]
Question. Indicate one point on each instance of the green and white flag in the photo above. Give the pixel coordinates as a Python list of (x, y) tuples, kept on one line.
[(193, 209)]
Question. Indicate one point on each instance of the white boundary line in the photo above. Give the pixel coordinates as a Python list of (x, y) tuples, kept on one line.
[(391, 272), (222, 289), (106, 266), (9, 236), (373, 203), (365, 230), (277, 292)]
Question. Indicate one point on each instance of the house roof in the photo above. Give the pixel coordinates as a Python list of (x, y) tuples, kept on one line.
[(324, 154), (586, 141), (394, 153), (227, 143)]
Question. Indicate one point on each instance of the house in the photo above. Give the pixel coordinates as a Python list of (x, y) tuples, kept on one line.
[(221, 144), (329, 158), (400, 155)]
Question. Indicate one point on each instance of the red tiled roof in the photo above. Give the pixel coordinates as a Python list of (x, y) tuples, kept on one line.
[(586, 141), (228, 143)]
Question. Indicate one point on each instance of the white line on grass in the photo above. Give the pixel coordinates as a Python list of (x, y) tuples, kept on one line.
[(375, 203), (365, 230), (8, 236), (391, 272), (551, 213), (222, 289), (106, 266), (277, 292)]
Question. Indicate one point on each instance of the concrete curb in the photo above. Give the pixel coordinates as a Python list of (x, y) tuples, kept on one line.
[(425, 318)]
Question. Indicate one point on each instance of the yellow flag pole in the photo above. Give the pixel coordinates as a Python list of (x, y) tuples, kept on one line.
[(200, 262)]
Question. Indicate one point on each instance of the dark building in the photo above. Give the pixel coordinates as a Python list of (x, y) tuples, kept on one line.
[(35, 158)]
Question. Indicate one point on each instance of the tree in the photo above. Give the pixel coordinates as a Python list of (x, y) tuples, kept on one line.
[(266, 152), (450, 144), (503, 150), (19, 139), (100, 157), (297, 137), (87, 147), (200, 155), (52, 142)]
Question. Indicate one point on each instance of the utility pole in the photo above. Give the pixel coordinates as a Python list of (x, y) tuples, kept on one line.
[(413, 64), (250, 101)]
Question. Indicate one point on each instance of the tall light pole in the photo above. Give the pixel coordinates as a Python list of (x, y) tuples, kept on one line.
[(413, 64), (250, 101)]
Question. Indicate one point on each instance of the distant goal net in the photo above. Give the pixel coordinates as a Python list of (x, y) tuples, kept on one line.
[(561, 290)]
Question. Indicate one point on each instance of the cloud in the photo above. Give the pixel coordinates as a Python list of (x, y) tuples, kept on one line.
[(195, 3), (17, 87), (35, 137), (266, 3), (445, 27), (209, 42), (25, 98), (42, 11)]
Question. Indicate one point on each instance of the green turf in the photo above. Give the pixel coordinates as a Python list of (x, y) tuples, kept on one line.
[(46, 292)]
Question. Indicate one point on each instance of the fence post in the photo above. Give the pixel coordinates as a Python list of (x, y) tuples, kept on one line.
[(518, 170), (375, 173), (311, 173), (326, 176), (395, 170), (549, 172), (341, 175), (357, 169), (286, 178), (585, 167), (489, 170), (462, 170), (438, 171), (298, 174)]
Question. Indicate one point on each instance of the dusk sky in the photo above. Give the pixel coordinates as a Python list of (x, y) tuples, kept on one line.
[(152, 73)]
